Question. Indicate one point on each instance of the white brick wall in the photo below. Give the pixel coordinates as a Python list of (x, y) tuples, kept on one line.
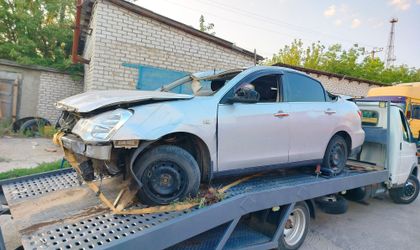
[(344, 86), (120, 36), (52, 88)]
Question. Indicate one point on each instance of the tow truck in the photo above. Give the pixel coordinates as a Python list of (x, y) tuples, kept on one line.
[(272, 210)]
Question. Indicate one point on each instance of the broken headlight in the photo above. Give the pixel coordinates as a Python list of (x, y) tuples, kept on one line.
[(101, 127)]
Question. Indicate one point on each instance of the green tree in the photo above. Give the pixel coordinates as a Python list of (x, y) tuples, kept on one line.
[(350, 62), (209, 27), (37, 31)]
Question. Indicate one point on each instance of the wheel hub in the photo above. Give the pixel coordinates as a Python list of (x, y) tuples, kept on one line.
[(294, 227), (165, 180), (409, 190)]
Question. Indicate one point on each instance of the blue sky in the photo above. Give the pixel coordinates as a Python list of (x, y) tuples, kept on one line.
[(267, 25)]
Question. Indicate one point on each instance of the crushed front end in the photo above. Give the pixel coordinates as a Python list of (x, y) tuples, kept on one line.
[(88, 138)]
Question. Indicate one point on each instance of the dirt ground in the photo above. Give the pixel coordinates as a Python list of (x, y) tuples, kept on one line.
[(379, 225), (27, 152)]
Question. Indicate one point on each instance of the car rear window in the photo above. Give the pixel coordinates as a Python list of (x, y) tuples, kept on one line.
[(370, 118)]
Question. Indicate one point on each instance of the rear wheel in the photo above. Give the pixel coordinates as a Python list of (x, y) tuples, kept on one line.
[(406, 194), (296, 228), (335, 156), (168, 174)]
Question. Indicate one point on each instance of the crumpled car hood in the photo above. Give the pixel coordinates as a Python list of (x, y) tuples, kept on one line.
[(92, 100)]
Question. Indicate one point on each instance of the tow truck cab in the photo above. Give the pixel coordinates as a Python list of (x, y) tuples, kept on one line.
[(400, 157)]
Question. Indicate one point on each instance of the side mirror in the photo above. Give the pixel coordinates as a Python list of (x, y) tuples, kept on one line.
[(245, 95)]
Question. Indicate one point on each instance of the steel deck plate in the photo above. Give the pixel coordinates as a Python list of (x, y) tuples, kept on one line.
[(24, 188), (106, 230)]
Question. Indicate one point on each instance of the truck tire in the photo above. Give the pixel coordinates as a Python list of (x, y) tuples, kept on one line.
[(406, 194), (296, 228), (335, 157), (332, 204), (168, 174)]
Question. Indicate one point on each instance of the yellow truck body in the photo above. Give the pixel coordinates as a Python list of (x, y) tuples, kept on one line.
[(410, 94)]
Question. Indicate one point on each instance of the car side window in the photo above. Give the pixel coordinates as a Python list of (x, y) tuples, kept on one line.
[(267, 86), (304, 89), (405, 130)]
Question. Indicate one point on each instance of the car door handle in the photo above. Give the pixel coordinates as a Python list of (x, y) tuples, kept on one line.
[(330, 112), (281, 114)]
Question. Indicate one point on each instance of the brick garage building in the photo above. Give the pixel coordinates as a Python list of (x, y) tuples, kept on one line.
[(121, 40), (130, 47)]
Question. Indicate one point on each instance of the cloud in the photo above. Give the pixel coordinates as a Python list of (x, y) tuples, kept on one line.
[(355, 23), (418, 2), (338, 22), (330, 11), (401, 4)]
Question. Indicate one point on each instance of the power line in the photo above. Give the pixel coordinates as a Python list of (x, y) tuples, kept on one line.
[(297, 28), (278, 22)]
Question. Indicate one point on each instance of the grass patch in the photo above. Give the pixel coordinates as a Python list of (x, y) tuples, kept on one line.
[(5, 127), (44, 167)]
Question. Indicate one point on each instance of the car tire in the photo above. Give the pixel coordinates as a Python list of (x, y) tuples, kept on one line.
[(358, 194), (332, 204), (294, 238), (31, 127), (168, 174), (406, 194), (335, 157)]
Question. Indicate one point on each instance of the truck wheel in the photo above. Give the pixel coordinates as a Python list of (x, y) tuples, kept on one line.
[(332, 204), (168, 174), (406, 194), (296, 228), (335, 157)]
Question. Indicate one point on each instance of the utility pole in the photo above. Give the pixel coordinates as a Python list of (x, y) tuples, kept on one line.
[(390, 53)]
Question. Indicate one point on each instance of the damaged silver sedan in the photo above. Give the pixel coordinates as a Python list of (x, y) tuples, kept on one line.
[(209, 124)]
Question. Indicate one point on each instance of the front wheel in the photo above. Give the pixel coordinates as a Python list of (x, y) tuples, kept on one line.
[(335, 157), (406, 194), (168, 174), (296, 228)]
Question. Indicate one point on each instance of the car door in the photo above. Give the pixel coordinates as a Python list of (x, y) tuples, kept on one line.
[(312, 117), (407, 151), (257, 134)]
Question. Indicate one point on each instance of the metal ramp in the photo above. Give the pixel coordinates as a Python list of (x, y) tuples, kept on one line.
[(52, 211)]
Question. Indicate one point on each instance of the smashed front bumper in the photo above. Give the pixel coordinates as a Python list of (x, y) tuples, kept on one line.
[(95, 151)]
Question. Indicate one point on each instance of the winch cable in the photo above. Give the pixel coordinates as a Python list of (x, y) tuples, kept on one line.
[(116, 209)]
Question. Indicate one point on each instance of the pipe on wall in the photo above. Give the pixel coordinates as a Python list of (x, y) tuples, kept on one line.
[(76, 35)]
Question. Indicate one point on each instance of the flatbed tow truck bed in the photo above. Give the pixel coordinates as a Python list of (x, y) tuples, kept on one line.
[(52, 211)]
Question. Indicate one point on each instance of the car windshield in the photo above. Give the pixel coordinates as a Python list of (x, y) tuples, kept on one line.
[(199, 85)]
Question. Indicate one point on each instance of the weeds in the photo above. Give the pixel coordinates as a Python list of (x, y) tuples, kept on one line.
[(6, 127), (44, 167), (38, 129)]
